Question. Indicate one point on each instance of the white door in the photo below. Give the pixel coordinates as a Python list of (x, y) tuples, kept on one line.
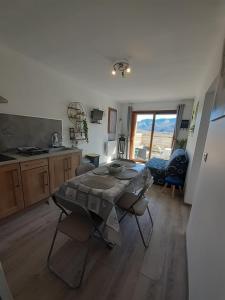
[(206, 229)]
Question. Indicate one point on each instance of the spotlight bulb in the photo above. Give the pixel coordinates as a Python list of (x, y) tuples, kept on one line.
[(113, 72)]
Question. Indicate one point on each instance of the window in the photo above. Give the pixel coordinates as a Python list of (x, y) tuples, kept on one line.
[(152, 134)]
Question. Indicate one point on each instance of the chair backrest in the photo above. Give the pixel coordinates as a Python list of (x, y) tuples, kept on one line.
[(177, 164), (67, 205), (84, 168), (147, 185)]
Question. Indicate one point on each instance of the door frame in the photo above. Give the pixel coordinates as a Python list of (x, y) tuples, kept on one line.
[(133, 127)]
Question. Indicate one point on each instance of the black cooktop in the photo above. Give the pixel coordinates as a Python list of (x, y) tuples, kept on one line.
[(32, 150)]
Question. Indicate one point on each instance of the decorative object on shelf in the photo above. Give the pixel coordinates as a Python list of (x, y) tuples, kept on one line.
[(76, 114), (85, 128), (121, 67), (112, 120), (96, 116)]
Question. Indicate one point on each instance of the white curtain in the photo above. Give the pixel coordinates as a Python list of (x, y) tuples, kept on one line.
[(129, 113), (180, 110)]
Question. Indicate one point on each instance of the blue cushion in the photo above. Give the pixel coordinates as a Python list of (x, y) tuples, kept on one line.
[(157, 163), (176, 166), (174, 180)]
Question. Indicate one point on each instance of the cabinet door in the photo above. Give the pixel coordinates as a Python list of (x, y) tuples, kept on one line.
[(76, 158), (10, 190), (58, 168), (72, 162), (35, 185)]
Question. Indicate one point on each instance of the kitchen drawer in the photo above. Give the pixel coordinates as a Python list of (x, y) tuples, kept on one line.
[(34, 164)]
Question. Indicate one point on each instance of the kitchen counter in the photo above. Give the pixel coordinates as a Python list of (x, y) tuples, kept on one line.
[(17, 158)]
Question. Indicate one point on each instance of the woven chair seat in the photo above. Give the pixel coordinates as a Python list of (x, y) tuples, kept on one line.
[(127, 202), (140, 206), (76, 226)]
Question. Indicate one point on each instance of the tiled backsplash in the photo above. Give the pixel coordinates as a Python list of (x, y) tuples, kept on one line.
[(21, 131)]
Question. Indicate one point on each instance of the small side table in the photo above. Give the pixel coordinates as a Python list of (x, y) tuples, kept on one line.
[(174, 182), (93, 158)]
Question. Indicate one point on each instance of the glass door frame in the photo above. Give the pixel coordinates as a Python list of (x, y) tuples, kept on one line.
[(133, 127)]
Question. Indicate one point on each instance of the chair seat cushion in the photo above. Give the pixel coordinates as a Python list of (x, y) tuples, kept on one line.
[(127, 200), (140, 206), (174, 180), (76, 226)]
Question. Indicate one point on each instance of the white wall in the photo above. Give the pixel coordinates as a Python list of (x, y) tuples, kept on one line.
[(33, 89), (206, 189), (196, 142), (159, 105), (205, 235)]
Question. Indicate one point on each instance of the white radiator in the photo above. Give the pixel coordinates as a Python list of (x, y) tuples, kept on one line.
[(110, 149)]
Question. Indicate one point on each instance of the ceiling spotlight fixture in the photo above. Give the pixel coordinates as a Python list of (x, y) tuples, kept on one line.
[(121, 67)]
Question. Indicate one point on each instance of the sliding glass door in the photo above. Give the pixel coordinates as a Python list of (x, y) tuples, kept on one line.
[(152, 135)]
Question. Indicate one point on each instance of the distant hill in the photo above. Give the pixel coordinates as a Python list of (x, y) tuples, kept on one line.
[(161, 125)]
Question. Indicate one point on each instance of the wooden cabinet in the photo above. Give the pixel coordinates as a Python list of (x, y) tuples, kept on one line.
[(35, 179), (23, 184), (62, 168), (11, 193)]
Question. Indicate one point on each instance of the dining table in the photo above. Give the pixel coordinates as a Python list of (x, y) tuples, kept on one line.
[(99, 190)]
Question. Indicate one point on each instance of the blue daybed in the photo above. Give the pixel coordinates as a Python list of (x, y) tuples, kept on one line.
[(176, 166)]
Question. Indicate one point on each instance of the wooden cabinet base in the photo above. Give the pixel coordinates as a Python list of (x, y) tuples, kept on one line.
[(11, 193), (35, 185), (23, 184)]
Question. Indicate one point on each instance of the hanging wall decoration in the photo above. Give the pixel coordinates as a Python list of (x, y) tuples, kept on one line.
[(77, 116)]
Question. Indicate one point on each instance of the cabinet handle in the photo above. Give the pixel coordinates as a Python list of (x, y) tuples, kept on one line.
[(45, 178), (16, 181), (69, 163), (65, 164)]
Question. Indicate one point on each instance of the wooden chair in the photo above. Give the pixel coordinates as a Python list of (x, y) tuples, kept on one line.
[(79, 226), (84, 168), (136, 204)]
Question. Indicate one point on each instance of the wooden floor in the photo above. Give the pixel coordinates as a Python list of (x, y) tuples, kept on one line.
[(126, 272)]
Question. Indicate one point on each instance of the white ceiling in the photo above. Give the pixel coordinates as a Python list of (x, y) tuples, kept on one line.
[(168, 42)]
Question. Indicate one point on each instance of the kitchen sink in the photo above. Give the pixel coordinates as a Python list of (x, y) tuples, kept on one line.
[(5, 158), (58, 149)]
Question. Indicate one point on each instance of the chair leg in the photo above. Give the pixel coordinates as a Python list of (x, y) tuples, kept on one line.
[(51, 248), (150, 216), (173, 190), (164, 187), (51, 269), (180, 189), (139, 227), (146, 244)]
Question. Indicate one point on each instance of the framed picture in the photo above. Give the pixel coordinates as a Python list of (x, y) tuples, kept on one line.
[(218, 110), (112, 121), (194, 117)]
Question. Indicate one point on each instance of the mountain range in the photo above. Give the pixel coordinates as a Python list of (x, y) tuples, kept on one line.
[(161, 125)]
